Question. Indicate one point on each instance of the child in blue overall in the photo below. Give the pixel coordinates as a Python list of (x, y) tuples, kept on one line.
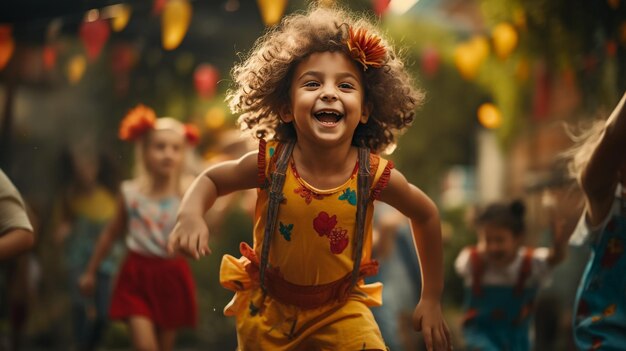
[(501, 278), (599, 164)]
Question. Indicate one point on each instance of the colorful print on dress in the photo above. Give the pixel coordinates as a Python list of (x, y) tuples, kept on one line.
[(307, 194), (324, 223), (338, 240), (349, 195), (285, 230)]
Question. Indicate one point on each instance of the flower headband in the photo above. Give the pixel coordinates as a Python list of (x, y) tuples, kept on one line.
[(142, 119), (366, 48)]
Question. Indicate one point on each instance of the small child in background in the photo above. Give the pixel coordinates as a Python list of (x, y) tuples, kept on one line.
[(87, 204), (599, 165), (154, 291), (501, 278)]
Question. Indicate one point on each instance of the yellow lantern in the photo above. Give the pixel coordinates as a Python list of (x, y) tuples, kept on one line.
[(470, 55), (175, 22), (272, 10), (7, 45), (214, 118), (121, 15), (76, 68), (489, 116), (504, 40)]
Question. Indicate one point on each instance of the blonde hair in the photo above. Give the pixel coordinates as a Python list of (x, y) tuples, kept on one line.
[(586, 140), (262, 81), (141, 173)]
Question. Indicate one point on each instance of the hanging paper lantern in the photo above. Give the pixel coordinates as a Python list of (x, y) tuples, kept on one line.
[(175, 22), (469, 56), (622, 33), (614, 4), (158, 6), (121, 16), (94, 35), (489, 116), (380, 6), (123, 58), (76, 68), (205, 80), (504, 40), (430, 61), (214, 118), (272, 10), (7, 45), (49, 57)]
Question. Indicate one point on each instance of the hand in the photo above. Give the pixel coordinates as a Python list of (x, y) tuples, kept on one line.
[(428, 319), (87, 284), (189, 237)]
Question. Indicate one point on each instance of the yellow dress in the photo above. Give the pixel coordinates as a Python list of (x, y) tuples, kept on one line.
[(312, 246)]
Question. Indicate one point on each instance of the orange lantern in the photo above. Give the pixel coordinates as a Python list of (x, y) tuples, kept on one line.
[(94, 35), (7, 45), (205, 80), (175, 22), (272, 10), (505, 40), (489, 116)]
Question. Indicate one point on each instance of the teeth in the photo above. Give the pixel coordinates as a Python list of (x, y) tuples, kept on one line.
[(329, 112)]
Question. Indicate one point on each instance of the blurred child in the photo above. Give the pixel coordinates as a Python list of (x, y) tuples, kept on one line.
[(154, 291), (16, 237), (332, 93), (599, 165), (501, 278), (87, 205), (16, 232)]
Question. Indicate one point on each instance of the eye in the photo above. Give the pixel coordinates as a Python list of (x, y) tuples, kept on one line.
[(346, 86), (311, 84)]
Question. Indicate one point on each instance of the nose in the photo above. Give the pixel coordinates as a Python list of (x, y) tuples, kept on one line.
[(328, 95)]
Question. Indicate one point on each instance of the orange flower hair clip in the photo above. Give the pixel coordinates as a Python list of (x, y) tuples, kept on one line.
[(137, 121), (192, 134), (366, 48)]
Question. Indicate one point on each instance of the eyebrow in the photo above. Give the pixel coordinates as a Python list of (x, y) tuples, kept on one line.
[(320, 74)]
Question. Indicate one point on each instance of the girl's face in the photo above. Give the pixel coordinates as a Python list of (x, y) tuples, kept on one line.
[(327, 99), (164, 152), (498, 243)]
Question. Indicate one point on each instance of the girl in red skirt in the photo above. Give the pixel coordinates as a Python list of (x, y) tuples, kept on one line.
[(154, 292)]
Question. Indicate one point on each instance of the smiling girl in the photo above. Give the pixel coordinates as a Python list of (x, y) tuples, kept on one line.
[(328, 93)]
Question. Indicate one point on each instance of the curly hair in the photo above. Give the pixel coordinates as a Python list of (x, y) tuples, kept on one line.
[(586, 139), (262, 81)]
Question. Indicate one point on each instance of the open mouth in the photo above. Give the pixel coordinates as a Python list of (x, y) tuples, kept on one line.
[(328, 117)]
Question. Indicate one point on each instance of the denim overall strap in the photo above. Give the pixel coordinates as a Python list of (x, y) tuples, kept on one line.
[(275, 197)]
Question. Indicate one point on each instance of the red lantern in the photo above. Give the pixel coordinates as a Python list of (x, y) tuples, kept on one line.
[(430, 61), (157, 6), (205, 80), (94, 35), (7, 45), (122, 58), (49, 56), (380, 6)]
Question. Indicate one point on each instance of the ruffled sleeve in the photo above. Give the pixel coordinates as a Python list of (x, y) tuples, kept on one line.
[(381, 169)]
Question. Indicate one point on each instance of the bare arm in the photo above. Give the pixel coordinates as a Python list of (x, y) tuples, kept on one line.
[(113, 231), (190, 235), (426, 228), (601, 175), (15, 241)]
